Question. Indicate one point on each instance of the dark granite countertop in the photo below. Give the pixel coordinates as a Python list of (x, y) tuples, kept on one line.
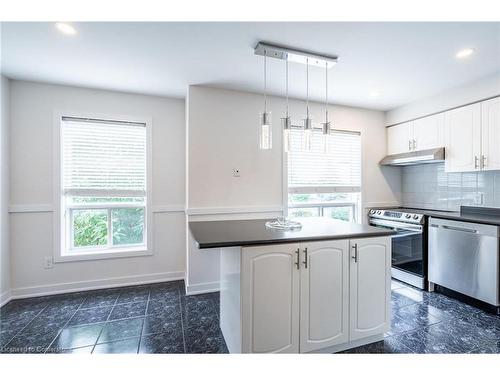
[(480, 215), (213, 234)]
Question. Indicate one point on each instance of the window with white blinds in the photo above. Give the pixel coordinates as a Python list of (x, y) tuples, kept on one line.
[(104, 199), (103, 158), (316, 171)]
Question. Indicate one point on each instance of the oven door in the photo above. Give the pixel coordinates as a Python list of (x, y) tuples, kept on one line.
[(407, 246)]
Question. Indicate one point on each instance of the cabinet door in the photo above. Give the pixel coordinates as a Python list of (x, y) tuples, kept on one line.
[(370, 287), (399, 138), (428, 132), (463, 138), (324, 295), (270, 299), (490, 134)]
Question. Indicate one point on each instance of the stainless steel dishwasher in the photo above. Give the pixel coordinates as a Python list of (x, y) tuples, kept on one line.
[(464, 257)]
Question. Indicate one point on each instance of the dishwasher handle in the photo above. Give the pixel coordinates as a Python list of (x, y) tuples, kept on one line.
[(465, 227), (450, 227)]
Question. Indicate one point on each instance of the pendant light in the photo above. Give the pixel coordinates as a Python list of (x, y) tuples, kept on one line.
[(287, 120), (326, 126), (308, 120), (307, 58), (266, 135)]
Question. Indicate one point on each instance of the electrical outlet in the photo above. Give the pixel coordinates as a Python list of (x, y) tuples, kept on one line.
[(48, 263), (236, 172)]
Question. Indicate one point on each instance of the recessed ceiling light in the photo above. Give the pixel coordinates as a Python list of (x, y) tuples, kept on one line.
[(374, 93), (65, 28), (466, 52)]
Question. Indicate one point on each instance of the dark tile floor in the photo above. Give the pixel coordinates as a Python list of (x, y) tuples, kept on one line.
[(160, 318), (155, 318), (424, 322)]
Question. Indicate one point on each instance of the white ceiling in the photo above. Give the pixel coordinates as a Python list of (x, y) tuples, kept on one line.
[(403, 61)]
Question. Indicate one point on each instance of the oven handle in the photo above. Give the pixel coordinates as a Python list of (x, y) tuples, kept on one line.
[(407, 234), (392, 224)]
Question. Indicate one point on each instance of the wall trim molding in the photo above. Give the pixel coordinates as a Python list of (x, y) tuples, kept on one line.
[(231, 210), (80, 286), (168, 208), (5, 297), (31, 208), (202, 288)]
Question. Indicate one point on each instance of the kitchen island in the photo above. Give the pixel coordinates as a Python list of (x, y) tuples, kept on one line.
[(323, 288)]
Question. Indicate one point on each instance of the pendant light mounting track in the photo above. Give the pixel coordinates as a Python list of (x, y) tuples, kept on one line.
[(295, 55)]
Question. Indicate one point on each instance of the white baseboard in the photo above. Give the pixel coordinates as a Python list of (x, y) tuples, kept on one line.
[(202, 288), (5, 297), (79, 286)]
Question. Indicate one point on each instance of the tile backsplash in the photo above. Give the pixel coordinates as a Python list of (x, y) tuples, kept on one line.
[(428, 186)]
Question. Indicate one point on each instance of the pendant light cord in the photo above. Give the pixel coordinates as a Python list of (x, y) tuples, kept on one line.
[(307, 87), (326, 93), (286, 80), (265, 81)]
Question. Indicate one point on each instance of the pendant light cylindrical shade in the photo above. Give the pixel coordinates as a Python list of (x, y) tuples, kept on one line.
[(265, 128)]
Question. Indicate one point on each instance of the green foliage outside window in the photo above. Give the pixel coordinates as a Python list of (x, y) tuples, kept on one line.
[(90, 227)]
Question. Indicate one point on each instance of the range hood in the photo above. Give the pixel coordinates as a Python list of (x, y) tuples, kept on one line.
[(433, 155)]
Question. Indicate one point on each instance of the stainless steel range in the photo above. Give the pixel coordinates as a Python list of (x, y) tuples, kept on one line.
[(409, 244)]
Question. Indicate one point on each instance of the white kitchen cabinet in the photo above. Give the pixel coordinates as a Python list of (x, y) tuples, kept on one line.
[(463, 138), (422, 134), (270, 279), (370, 291), (305, 297), (324, 295), (490, 134), (399, 138), (428, 132)]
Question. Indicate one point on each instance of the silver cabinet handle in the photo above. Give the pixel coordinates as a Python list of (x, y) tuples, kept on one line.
[(476, 162), (305, 262), (355, 257), (414, 144), (409, 144), (297, 263), (483, 161)]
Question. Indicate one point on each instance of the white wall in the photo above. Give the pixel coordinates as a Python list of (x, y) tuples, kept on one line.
[(32, 111), (485, 88), (5, 276), (223, 134)]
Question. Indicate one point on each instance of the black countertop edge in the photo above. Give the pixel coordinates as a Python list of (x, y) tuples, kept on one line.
[(347, 236), (253, 232)]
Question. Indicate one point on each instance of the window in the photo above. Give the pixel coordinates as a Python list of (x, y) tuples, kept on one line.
[(104, 185), (325, 183)]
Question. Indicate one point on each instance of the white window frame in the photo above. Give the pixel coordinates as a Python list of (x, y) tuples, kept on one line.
[(354, 206), (62, 231)]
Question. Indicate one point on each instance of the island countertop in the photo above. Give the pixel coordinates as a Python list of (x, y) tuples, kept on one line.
[(228, 233)]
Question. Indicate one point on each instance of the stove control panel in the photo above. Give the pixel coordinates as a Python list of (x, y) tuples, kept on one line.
[(396, 215)]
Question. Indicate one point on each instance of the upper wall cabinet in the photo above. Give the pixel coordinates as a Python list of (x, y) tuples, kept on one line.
[(473, 136), (421, 134), (470, 134), (400, 138), (490, 134), (428, 132), (463, 139)]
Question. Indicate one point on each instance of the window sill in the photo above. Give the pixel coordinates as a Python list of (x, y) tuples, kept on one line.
[(106, 254)]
